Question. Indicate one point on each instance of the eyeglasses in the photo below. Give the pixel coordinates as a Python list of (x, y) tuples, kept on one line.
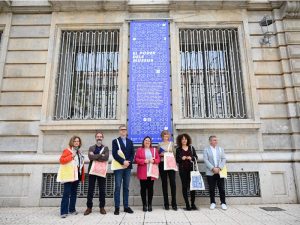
[(123, 129)]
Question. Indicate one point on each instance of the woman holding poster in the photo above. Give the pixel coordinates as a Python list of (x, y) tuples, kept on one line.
[(167, 168), (147, 160)]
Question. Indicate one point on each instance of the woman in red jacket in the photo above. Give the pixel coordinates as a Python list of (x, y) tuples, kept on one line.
[(72, 154), (144, 156)]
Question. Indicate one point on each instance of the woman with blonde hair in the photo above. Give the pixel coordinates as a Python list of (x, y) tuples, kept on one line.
[(167, 146)]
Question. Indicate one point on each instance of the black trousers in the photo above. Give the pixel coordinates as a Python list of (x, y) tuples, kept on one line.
[(101, 184), (212, 182), (147, 186), (164, 182), (185, 176)]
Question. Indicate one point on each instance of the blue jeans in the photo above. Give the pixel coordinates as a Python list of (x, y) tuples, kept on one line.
[(123, 174), (68, 200)]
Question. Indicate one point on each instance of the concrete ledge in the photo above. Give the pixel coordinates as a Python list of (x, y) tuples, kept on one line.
[(216, 124), (260, 157), (80, 125)]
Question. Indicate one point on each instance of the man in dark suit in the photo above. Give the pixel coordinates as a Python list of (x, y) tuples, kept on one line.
[(124, 173)]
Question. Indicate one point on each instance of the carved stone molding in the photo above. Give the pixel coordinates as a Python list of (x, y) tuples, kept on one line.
[(33, 6), (291, 9)]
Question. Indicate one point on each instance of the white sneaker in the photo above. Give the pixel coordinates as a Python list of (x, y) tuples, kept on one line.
[(224, 206), (212, 205)]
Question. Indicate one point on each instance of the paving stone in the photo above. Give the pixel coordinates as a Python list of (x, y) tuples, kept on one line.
[(202, 223), (154, 223), (235, 215)]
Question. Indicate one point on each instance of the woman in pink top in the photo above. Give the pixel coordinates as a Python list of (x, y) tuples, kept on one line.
[(144, 156)]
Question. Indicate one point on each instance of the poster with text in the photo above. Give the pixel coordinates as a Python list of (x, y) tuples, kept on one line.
[(149, 105)]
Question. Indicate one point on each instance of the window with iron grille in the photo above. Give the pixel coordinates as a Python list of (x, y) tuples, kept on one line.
[(211, 74), (87, 81)]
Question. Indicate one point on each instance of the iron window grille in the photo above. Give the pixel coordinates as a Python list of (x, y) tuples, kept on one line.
[(87, 81), (211, 74)]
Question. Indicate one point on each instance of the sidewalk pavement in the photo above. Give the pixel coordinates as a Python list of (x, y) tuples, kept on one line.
[(235, 214)]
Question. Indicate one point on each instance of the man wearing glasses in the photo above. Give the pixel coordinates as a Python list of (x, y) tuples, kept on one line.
[(123, 174)]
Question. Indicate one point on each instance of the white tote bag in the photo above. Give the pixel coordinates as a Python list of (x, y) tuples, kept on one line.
[(153, 170), (197, 182), (99, 168), (67, 172), (169, 160), (115, 165)]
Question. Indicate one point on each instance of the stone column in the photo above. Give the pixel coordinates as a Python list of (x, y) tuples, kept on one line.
[(290, 14)]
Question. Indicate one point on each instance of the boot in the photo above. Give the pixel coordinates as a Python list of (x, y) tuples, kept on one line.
[(145, 209), (149, 207), (188, 207), (187, 204), (194, 207), (102, 211), (87, 211), (174, 205)]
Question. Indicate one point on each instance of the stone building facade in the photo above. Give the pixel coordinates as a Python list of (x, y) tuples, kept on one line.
[(262, 143)]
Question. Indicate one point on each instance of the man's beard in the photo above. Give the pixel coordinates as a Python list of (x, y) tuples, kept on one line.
[(98, 142)]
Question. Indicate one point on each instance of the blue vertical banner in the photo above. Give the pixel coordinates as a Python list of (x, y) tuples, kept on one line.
[(149, 109)]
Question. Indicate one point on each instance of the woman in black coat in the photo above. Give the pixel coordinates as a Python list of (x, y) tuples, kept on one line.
[(185, 156)]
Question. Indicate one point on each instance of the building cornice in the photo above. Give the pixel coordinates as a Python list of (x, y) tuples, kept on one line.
[(19, 6), (291, 9), (232, 157)]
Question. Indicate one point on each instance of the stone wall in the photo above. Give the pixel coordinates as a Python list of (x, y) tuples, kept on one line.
[(23, 81), (267, 141)]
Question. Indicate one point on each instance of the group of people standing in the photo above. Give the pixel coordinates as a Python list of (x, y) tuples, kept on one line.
[(145, 157)]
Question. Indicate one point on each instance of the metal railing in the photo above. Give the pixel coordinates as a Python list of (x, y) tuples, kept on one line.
[(87, 81), (53, 189), (238, 184), (211, 74)]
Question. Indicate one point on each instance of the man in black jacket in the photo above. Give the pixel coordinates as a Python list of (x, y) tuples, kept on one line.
[(123, 174)]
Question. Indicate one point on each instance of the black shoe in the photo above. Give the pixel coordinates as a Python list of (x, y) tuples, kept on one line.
[(174, 207), (167, 207), (145, 209), (188, 208), (128, 210), (194, 207), (150, 208), (117, 211)]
